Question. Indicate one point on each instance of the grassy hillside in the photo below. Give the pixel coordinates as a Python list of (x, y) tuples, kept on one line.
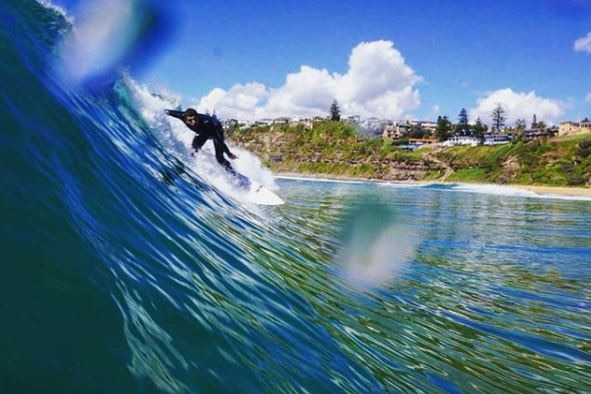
[(555, 162), (335, 149), (330, 148)]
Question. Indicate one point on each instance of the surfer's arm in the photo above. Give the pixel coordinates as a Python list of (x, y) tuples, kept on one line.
[(174, 113)]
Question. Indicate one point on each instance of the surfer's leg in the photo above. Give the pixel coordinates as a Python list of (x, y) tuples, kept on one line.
[(219, 155), (198, 142)]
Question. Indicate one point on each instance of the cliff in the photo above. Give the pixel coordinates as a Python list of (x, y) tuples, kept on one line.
[(335, 149)]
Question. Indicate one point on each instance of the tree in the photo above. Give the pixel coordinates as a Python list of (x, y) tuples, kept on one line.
[(417, 131), (335, 111), (443, 128), (534, 122), (479, 129), (520, 126), (463, 127), (498, 117)]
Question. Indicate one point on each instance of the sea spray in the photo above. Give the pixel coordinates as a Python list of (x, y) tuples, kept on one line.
[(177, 138)]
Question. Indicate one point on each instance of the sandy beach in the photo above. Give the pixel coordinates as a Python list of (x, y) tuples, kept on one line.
[(562, 191)]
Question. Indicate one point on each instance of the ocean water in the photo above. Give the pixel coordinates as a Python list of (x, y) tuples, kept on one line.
[(129, 266)]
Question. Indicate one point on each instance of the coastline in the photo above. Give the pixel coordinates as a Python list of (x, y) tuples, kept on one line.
[(541, 190)]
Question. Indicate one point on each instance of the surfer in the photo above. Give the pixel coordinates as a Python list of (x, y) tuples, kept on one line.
[(206, 127)]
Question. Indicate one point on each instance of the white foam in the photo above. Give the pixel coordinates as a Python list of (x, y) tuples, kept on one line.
[(497, 190), (177, 138), (512, 191), (491, 189), (329, 180), (56, 8)]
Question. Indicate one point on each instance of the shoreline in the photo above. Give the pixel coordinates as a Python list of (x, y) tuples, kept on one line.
[(542, 190)]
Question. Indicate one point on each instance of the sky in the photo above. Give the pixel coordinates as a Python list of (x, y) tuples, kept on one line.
[(388, 59)]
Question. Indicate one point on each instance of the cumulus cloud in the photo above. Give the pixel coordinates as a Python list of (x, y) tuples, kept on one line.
[(241, 101), (518, 106), (378, 83), (583, 44)]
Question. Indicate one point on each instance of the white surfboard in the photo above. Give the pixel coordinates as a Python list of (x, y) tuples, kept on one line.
[(257, 193)]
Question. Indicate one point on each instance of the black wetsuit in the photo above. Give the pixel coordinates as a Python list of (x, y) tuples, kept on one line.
[(207, 127)]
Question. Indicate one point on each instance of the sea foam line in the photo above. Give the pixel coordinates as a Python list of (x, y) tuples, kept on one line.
[(490, 189)]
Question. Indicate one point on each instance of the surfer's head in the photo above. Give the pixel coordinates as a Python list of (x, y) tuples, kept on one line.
[(190, 116)]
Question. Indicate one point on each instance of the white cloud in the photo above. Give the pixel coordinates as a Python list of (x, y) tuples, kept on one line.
[(241, 101), (518, 106), (583, 44), (378, 83)]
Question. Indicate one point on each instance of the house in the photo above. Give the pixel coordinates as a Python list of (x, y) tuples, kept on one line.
[(538, 133), (418, 142), (263, 122), (401, 129), (282, 120), (306, 122), (571, 128), (497, 139), (390, 131), (229, 123), (461, 140), (426, 125)]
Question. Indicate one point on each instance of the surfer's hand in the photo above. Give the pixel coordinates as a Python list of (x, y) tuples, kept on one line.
[(167, 111), (232, 156)]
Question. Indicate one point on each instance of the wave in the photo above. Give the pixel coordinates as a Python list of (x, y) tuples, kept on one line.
[(501, 190), (489, 189), (130, 266), (102, 199)]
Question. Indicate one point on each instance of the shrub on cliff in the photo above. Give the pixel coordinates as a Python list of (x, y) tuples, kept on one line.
[(584, 148)]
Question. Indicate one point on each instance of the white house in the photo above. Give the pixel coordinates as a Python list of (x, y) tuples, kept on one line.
[(497, 139), (461, 140)]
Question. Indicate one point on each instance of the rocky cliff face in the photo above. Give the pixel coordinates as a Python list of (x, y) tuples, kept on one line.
[(331, 149), (281, 152)]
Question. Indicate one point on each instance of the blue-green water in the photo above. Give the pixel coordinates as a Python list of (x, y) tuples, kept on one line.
[(126, 269)]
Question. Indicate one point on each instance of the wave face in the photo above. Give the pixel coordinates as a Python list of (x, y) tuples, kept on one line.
[(130, 266)]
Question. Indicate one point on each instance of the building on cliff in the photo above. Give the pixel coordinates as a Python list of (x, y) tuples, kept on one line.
[(461, 140), (571, 128)]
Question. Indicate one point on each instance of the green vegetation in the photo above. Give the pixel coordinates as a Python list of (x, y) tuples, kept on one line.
[(334, 148), (335, 111), (555, 162)]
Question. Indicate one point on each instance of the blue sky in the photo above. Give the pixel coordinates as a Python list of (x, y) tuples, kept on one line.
[(459, 53)]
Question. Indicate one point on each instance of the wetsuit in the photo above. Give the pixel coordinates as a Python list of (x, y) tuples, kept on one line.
[(207, 127)]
